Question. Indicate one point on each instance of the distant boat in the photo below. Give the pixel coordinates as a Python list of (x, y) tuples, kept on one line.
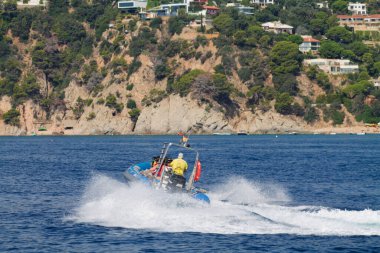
[(362, 133), (332, 133), (242, 133), (221, 133), (42, 128), (293, 133)]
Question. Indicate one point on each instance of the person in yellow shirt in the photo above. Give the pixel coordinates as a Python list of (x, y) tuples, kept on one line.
[(179, 166), (177, 180)]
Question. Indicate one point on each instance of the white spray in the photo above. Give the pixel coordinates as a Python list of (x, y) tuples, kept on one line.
[(237, 207)]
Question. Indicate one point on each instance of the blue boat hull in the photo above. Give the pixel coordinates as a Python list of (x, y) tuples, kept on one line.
[(133, 174)]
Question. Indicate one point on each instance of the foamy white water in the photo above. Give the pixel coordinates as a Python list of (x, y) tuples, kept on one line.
[(237, 207)]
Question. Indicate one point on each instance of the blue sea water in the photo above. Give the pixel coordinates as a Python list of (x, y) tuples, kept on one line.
[(286, 194)]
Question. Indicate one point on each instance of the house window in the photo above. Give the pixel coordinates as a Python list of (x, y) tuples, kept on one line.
[(126, 4)]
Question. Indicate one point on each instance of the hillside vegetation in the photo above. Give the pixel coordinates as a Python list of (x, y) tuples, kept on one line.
[(45, 54)]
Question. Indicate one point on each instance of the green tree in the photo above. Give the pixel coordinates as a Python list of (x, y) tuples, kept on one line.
[(224, 24), (285, 58), (362, 87), (111, 102), (358, 48), (323, 81), (331, 49), (376, 67), (295, 39), (318, 25), (134, 114), (29, 89), (339, 34), (283, 104), (177, 23), (286, 83), (69, 30), (22, 24), (311, 115), (12, 117), (183, 84), (131, 104), (340, 7)]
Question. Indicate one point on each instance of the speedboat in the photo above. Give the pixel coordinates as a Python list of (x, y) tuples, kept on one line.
[(157, 172)]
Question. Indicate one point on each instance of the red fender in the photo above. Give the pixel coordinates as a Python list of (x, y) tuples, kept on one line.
[(198, 172)]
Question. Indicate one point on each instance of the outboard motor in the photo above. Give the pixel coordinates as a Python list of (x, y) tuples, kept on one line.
[(175, 183)]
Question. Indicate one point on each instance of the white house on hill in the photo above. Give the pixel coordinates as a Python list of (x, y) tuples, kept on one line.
[(132, 6), (277, 27), (357, 8), (333, 66), (31, 3), (323, 4), (262, 3), (310, 45)]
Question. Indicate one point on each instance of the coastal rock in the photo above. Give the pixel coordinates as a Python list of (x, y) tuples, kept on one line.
[(175, 114)]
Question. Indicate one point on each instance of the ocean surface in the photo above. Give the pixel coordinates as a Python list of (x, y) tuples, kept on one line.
[(291, 193)]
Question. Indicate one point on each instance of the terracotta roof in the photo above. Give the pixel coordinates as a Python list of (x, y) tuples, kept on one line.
[(211, 8), (359, 16), (310, 39)]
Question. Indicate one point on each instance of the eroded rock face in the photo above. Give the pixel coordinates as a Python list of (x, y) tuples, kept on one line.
[(170, 115), (175, 114)]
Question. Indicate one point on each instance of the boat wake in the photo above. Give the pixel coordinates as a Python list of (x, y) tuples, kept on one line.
[(237, 207)]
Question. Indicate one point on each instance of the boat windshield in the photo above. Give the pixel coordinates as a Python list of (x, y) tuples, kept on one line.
[(191, 156)]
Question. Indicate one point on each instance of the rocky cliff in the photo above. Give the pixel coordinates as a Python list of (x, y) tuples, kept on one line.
[(127, 99)]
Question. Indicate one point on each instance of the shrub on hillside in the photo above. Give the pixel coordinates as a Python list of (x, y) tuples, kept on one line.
[(78, 110), (134, 114), (155, 96), (156, 23), (183, 84), (362, 87), (244, 74), (161, 71), (286, 83), (285, 58), (111, 102), (29, 89), (283, 104), (177, 23), (131, 104), (323, 81), (68, 30), (12, 117), (134, 67), (311, 115), (336, 116)]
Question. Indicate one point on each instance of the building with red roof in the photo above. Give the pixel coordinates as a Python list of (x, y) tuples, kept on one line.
[(310, 45), (360, 22), (211, 10)]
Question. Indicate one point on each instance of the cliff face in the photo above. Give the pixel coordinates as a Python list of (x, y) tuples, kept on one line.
[(167, 115)]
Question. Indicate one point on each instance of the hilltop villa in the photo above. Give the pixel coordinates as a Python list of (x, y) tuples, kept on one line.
[(262, 3), (357, 8), (31, 3), (247, 10), (323, 4), (361, 22), (310, 45), (277, 27), (334, 66)]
